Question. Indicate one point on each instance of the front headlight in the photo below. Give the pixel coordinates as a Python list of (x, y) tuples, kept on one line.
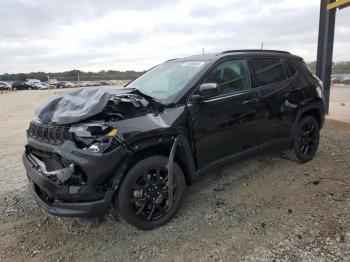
[(99, 146), (94, 137), (90, 130)]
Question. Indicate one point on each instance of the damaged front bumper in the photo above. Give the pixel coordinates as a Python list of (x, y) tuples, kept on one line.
[(82, 187)]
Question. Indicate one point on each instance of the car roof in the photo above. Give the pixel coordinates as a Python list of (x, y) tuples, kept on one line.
[(232, 53)]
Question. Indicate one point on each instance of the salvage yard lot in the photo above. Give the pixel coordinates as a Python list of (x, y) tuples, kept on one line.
[(262, 208)]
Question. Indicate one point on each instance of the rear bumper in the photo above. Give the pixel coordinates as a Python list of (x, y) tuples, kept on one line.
[(43, 191)]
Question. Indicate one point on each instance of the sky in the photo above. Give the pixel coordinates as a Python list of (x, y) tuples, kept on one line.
[(91, 35)]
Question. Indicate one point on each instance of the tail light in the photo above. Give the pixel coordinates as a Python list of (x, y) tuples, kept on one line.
[(319, 87)]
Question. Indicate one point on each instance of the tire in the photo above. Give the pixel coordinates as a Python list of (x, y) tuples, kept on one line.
[(305, 140), (144, 189)]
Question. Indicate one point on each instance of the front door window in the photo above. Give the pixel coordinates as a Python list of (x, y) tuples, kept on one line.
[(231, 76)]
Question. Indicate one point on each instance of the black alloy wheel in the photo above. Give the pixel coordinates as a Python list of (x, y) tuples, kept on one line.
[(305, 140), (149, 196), (143, 199)]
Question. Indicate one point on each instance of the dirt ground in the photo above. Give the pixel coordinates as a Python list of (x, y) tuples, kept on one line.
[(339, 105), (265, 208)]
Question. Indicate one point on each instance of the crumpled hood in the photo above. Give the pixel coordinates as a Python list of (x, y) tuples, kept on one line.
[(84, 103)]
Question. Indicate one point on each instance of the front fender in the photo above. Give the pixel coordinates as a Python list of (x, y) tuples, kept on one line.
[(184, 155)]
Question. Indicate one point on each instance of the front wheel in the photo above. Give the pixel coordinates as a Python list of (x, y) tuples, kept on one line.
[(305, 140), (143, 198)]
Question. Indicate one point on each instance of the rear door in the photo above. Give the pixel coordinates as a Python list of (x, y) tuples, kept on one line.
[(278, 95), (225, 125)]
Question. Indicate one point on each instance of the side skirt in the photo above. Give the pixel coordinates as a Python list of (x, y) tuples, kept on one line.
[(277, 144)]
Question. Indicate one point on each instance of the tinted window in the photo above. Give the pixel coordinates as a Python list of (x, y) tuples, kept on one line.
[(231, 76), (305, 73), (306, 69), (290, 67), (268, 71)]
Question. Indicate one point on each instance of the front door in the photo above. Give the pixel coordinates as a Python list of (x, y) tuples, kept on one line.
[(225, 125)]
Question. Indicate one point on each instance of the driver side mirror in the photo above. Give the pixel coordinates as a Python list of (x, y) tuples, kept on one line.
[(206, 90)]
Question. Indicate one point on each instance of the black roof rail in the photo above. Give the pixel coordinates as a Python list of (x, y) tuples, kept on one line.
[(255, 50)]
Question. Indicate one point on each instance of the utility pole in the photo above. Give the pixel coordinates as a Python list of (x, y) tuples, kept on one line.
[(325, 48), (325, 43)]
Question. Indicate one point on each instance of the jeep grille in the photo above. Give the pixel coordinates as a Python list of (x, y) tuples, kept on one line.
[(48, 133)]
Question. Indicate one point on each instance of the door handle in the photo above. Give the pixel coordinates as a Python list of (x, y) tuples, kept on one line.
[(250, 101)]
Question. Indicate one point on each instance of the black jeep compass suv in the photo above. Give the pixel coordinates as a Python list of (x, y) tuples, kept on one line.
[(138, 147)]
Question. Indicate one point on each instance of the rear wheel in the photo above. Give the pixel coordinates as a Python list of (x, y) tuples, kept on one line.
[(143, 198), (305, 140)]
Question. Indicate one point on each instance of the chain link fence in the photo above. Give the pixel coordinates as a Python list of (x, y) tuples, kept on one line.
[(86, 80), (61, 82)]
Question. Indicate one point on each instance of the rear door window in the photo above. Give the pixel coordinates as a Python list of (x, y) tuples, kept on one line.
[(268, 71)]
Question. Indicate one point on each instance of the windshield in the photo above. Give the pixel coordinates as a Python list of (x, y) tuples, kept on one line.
[(166, 80)]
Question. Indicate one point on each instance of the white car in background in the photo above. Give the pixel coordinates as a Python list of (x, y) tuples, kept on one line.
[(64, 84), (85, 83), (5, 86), (33, 81), (43, 86)]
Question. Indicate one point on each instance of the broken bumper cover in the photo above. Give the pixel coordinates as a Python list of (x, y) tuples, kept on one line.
[(60, 199), (80, 209), (42, 188)]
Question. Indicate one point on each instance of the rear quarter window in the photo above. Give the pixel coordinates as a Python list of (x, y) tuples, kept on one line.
[(305, 76), (290, 68), (268, 71), (305, 71)]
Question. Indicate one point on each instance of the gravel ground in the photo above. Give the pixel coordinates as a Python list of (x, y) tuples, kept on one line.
[(339, 106), (265, 208)]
